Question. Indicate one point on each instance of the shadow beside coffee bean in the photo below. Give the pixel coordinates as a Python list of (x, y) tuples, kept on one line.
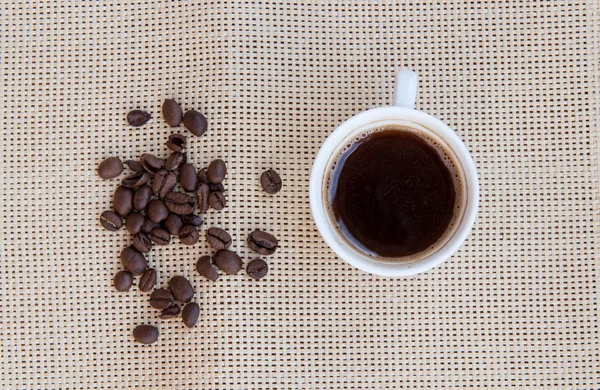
[(154, 211)]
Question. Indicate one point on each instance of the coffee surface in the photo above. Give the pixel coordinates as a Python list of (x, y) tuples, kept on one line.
[(392, 194)]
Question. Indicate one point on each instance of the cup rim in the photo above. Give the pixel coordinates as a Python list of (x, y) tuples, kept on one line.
[(319, 209)]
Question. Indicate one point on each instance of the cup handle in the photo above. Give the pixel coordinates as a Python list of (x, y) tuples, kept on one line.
[(405, 92)]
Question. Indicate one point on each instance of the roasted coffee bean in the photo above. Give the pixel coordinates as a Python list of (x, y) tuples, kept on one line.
[(151, 163), (202, 177), (188, 235), (257, 269), (173, 224), (218, 238), (160, 236), (270, 181), (164, 182), (205, 268), (142, 197), (177, 142), (216, 187), (190, 314), (170, 312), (111, 221), (175, 160), (217, 200), (133, 260), (134, 222), (195, 122), (148, 225), (161, 298), (123, 201), (179, 203), (134, 165), (216, 172), (137, 118), (157, 211), (188, 177), (181, 288), (147, 280), (202, 194), (142, 242), (192, 219), (172, 112), (262, 243), (135, 180), (110, 168), (228, 261), (145, 334), (123, 281)]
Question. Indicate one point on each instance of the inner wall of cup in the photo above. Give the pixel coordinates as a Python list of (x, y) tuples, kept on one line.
[(425, 133)]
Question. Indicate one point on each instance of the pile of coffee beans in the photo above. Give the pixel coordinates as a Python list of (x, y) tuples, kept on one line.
[(164, 198)]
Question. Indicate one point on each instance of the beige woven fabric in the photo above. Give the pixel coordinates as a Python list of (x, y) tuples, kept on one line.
[(516, 307)]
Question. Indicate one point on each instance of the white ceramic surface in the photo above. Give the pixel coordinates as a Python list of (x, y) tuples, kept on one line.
[(402, 113)]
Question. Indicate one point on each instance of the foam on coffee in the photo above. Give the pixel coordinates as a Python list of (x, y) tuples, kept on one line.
[(451, 163)]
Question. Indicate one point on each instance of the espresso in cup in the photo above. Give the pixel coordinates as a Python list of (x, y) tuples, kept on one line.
[(395, 193)]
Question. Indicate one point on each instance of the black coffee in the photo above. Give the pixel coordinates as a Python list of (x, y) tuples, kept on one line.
[(392, 194)]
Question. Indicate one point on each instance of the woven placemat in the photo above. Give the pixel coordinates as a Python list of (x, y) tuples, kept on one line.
[(516, 307)]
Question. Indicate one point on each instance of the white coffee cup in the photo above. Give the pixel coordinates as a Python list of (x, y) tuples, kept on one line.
[(402, 113)]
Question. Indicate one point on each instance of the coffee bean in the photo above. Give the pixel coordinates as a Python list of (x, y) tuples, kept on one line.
[(134, 222), (188, 177), (228, 261), (202, 177), (173, 224), (137, 118), (160, 236), (157, 211), (177, 142), (148, 225), (172, 112), (133, 260), (181, 288), (217, 170), (110, 168), (257, 269), (216, 187), (270, 181), (175, 160), (262, 242), (135, 180), (151, 163), (111, 220), (142, 197), (134, 166), (123, 201), (188, 235), (161, 298), (142, 242), (190, 314), (170, 312), (192, 219), (218, 238), (145, 334), (217, 200), (179, 203), (123, 281), (164, 182), (195, 122), (147, 280), (202, 194), (205, 268)]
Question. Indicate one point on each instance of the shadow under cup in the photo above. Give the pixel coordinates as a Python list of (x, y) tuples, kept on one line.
[(445, 151)]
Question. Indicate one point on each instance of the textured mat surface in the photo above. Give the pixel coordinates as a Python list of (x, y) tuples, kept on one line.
[(516, 307)]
